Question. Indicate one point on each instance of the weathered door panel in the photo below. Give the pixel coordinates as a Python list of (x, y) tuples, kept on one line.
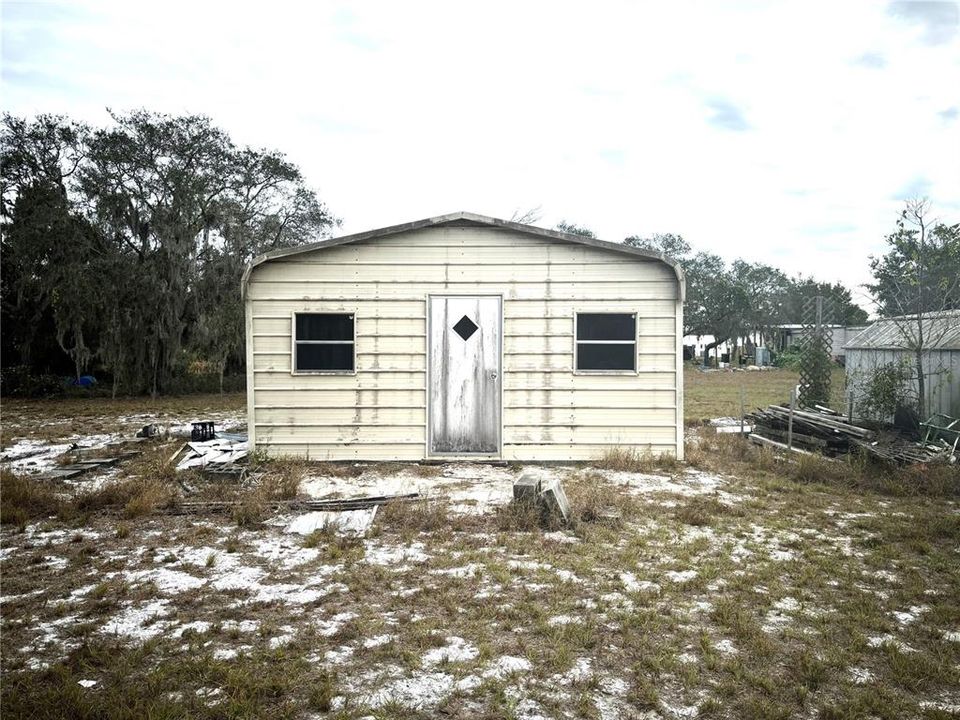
[(465, 375)]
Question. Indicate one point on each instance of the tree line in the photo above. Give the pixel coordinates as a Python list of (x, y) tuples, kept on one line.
[(730, 301), (123, 246)]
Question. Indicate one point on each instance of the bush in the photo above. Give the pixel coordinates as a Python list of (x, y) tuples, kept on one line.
[(789, 358), (885, 390), (22, 381)]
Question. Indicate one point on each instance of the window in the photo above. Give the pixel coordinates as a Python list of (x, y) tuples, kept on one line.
[(606, 342), (323, 342)]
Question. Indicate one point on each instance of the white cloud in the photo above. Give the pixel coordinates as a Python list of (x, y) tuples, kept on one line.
[(823, 114)]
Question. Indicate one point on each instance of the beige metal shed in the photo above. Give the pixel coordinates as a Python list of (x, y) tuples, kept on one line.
[(463, 336)]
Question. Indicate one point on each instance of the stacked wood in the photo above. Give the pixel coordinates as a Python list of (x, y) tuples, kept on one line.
[(332, 505), (813, 430), (826, 432)]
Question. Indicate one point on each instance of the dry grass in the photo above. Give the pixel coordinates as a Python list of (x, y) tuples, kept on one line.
[(717, 394), (629, 459), (731, 454), (23, 499)]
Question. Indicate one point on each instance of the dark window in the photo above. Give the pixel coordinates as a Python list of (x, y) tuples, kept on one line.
[(606, 341), (324, 342)]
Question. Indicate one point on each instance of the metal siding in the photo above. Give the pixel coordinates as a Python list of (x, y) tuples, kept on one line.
[(941, 369), (548, 412)]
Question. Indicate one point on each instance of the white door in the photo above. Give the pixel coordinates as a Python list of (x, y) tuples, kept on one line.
[(464, 375)]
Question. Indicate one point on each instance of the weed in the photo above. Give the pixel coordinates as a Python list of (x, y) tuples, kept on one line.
[(23, 499)]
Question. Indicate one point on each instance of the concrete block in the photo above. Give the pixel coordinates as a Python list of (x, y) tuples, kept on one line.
[(554, 498), (527, 488)]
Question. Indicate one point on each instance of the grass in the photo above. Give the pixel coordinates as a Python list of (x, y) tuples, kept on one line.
[(752, 597), (717, 394)]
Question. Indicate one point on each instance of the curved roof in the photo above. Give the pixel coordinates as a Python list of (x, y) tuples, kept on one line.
[(469, 219), (941, 331)]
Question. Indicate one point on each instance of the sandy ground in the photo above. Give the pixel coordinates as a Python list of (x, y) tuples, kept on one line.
[(689, 594)]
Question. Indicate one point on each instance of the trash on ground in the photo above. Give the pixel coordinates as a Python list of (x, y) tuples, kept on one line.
[(354, 523), (218, 452)]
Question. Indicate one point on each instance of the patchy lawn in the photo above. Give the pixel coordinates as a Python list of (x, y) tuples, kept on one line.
[(737, 586), (716, 393)]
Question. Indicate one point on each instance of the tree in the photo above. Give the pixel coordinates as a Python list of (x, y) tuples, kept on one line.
[(126, 244), (918, 278), (573, 229), (668, 244)]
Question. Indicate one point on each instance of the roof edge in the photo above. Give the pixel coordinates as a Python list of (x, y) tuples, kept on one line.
[(472, 217)]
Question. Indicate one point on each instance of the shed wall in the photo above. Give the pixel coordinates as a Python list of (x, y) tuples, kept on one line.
[(549, 412), (941, 372)]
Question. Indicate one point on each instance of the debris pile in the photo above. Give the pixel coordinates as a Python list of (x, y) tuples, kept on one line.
[(220, 453), (827, 432)]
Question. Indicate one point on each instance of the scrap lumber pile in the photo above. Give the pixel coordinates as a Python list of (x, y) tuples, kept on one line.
[(823, 431), (814, 430)]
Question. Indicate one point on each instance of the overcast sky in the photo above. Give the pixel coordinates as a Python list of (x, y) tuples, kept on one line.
[(788, 133)]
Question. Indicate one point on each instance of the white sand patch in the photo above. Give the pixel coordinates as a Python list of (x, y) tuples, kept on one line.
[(781, 555), (886, 575), (787, 604), (422, 690), (507, 665), (952, 636), (469, 488), (139, 622), (168, 582), (338, 656), (333, 625), (284, 552), (861, 676), (561, 537), (377, 641), (631, 584), (464, 571), (55, 563), (562, 620), (376, 553), (197, 626), (349, 523), (687, 658), (691, 483), (726, 647), (680, 576), (456, 650), (286, 636), (887, 639), (679, 711), (230, 653), (242, 626), (86, 683), (947, 707), (906, 617), (20, 596), (582, 670), (241, 577)]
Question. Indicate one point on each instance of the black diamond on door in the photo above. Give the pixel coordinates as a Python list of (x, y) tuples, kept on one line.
[(465, 327)]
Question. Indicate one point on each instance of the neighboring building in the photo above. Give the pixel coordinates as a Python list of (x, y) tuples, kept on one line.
[(788, 335), (887, 341), (462, 336)]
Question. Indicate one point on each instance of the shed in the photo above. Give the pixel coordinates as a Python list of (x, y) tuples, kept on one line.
[(463, 337), (891, 340)]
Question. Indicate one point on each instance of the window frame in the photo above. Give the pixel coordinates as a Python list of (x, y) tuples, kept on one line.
[(294, 342), (577, 342)]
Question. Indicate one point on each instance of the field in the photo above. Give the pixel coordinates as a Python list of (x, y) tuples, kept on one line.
[(713, 394), (736, 585)]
